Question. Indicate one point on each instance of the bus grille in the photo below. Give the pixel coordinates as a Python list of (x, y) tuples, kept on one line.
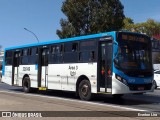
[(138, 87)]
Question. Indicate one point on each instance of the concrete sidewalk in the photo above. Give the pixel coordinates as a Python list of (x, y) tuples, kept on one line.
[(12, 101)]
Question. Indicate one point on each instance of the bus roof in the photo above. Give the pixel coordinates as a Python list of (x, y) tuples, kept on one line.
[(62, 40), (112, 33)]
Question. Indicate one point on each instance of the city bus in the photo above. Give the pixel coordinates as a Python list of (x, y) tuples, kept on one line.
[(115, 63)]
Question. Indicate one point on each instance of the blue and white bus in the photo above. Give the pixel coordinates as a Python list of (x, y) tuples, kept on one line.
[(115, 63)]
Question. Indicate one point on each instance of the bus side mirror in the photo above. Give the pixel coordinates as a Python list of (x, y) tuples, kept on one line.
[(116, 61)]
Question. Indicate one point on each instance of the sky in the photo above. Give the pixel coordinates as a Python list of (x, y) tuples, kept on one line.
[(42, 17)]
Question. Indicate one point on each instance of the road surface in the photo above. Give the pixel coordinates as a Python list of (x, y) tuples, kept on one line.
[(66, 105)]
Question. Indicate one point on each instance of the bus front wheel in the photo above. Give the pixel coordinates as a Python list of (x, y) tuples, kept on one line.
[(26, 85), (84, 90)]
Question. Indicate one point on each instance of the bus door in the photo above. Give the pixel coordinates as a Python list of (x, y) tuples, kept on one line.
[(15, 68), (105, 66), (44, 67)]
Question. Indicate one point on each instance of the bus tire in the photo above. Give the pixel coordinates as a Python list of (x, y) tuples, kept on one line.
[(84, 90), (26, 85)]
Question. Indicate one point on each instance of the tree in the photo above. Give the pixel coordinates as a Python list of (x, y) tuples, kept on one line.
[(68, 29), (150, 27), (90, 16), (128, 24)]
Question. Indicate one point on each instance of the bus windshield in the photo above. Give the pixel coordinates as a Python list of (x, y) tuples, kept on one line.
[(133, 56)]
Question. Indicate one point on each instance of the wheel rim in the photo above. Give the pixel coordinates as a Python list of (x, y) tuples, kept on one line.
[(85, 89)]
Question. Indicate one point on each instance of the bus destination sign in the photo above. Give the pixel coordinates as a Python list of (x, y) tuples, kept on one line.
[(129, 37)]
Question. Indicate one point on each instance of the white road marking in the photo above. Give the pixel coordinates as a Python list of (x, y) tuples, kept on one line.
[(79, 101)]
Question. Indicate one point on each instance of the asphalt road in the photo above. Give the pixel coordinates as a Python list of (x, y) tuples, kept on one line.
[(147, 101), (66, 101)]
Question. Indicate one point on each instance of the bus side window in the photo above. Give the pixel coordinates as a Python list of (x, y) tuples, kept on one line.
[(33, 56), (58, 49), (74, 47), (8, 58), (92, 55), (53, 49), (34, 51), (24, 58), (25, 52), (59, 53), (80, 56), (84, 56), (61, 48)]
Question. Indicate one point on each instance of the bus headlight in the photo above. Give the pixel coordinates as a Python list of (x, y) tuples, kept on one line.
[(118, 78), (121, 80)]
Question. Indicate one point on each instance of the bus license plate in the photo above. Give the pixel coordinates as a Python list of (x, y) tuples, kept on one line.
[(140, 88)]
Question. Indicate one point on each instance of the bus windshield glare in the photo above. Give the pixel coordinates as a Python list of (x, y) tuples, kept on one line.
[(133, 54)]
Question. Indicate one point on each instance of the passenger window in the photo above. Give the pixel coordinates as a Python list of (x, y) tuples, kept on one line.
[(87, 45), (25, 52), (58, 49), (34, 51), (92, 55), (8, 54), (53, 49), (74, 47)]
